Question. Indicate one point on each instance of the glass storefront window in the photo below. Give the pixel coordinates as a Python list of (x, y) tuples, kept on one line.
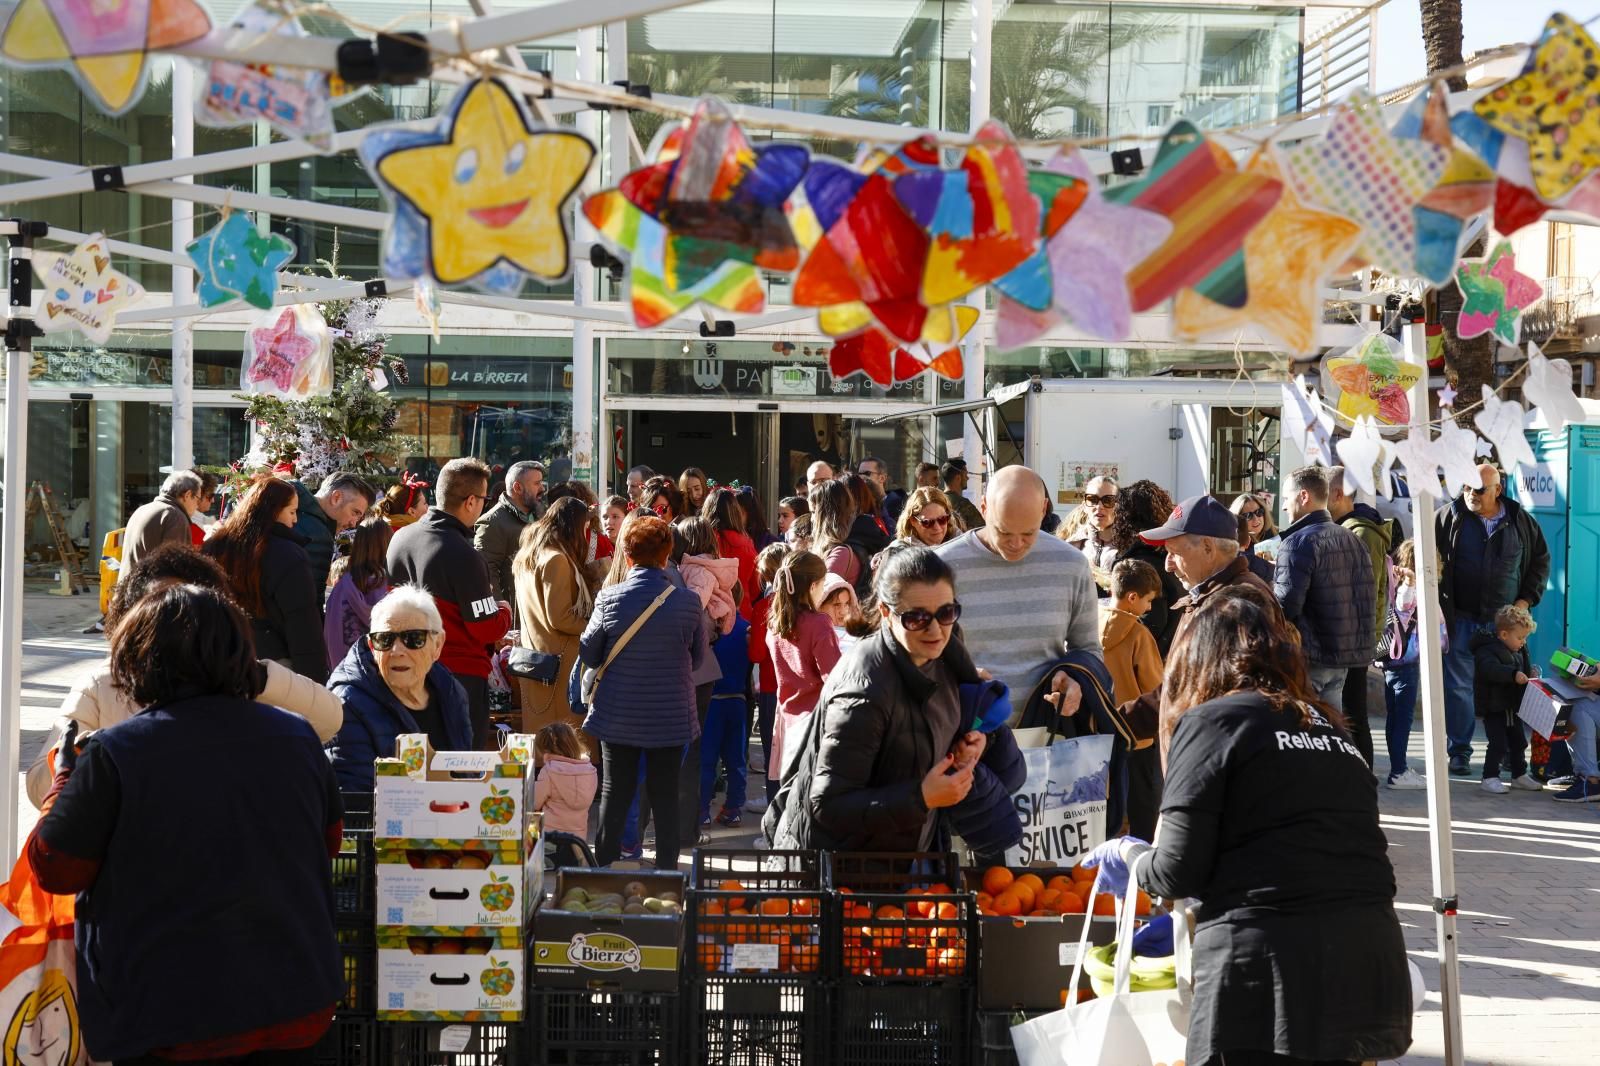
[(1010, 368), (133, 359)]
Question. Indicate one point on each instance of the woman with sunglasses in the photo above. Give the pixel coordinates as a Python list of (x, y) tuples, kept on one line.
[(1255, 526), (927, 519), (894, 751), (392, 683), (1096, 536)]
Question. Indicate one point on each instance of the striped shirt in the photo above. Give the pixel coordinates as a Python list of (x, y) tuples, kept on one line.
[(1018, 618)]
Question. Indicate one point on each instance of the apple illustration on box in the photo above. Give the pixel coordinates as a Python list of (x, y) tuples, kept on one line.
[(499, 980), (498, 807), (497, 895)]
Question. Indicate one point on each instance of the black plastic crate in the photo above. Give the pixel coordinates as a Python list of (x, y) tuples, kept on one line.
[(902, 917), (350, 1041), (993, 1034), (606, 1028), (358, 959), (756, 1020), (902, 1024), (354, 872), (453, 1044), (758, 913)]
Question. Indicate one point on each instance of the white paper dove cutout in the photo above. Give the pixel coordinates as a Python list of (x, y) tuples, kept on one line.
[(1549, 386), (1307, 422), (1367, 458), (1419, 461), (1457, 451), (1502, 423)]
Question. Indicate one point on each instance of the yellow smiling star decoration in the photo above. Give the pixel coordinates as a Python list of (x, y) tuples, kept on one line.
[(103, 43), (480, 200), (1286, 256), (1554, 106)]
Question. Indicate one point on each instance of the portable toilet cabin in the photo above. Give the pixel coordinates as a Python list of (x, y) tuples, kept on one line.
[(1562, 492)]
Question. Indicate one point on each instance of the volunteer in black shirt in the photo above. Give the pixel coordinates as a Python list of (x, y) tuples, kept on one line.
[(1270, 820)]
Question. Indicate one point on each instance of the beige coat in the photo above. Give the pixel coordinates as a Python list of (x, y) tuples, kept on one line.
[(548, 605), (94, 704)]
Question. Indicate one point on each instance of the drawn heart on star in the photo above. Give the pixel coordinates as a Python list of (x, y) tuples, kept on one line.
[(62, 294), (105, 296), (100, 264), (113, 285), (88, 297)]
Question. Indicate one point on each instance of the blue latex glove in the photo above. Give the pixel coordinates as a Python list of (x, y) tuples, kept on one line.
[(1154, 940), (1113, 871)]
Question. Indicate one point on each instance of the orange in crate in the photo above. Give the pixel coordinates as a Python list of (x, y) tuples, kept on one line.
[(1008, 903), (996, 879), (1104, 904), (1082, 875), (1033, 881), (734, 902)]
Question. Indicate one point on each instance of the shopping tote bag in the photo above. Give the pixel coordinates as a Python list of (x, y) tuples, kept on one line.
[(1122, 1029), (1063, 802), (38, 973)]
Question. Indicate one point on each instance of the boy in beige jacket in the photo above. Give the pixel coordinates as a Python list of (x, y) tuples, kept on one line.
[(1130, 648)]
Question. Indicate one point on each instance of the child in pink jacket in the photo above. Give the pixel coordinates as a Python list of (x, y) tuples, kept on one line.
[(803, 646), (566, 782), (708, 576)]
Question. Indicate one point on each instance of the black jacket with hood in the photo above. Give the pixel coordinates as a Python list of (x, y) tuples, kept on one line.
[(1516, 560), (1495, 691)]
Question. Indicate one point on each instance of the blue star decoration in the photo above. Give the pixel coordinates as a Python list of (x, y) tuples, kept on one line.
[(236, 262)]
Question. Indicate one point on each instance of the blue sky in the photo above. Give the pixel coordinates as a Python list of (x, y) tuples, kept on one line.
[(1484, 24)]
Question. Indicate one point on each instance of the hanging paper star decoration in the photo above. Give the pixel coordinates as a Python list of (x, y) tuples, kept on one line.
[(1457, 451), (294, 101), (696, 224), (1549, 386), (1090, 255), (102, 42), (1502, 423), (1360, 170), (1373, 378), (1447, 396), (235, 262), (1212, 207), (286, 356), (1307, 422), (1286, 256), (480, 200), (1554, 106), (1465, 189), (1494, 295), (81, 291), (1367, 458), (887, 363), (1419, 461)]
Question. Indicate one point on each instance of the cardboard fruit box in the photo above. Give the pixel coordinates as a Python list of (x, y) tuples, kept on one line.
[(589, 948), (453, 800), (460, 893), (1025, 963), (443, 979)]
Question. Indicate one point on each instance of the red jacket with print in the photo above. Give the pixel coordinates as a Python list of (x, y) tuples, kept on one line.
[(436, 553)]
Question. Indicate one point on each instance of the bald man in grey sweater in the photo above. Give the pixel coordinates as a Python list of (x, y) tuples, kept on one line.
[(1026, 597)]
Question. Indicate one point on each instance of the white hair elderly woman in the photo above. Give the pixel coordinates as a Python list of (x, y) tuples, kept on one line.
[(392, 683)]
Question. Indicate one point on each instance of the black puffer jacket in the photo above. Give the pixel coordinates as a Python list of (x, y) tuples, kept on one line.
[(865, 786), (1516, 566), (1323, 580), (289, 625), (1495, 691)]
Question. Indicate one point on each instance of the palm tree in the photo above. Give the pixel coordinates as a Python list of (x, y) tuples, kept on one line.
[(1470, 362)]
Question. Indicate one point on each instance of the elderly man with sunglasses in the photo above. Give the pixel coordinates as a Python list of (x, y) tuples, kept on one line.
[(392, 683), (1491, 553)]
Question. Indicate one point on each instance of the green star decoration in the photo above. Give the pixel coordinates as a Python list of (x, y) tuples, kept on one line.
[(236, 262)]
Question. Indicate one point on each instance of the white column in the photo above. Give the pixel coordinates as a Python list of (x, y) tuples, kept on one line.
[(182, 276), (978, 87), (621, 161), (583, 464), (1431, 704), (16, 495)]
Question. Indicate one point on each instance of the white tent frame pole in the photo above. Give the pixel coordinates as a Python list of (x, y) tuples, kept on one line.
[(183, 274), (973, 373), (1430, 699), (11, 539)]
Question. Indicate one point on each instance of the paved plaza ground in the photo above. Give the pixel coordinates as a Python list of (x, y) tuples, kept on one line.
[(1528, 873)]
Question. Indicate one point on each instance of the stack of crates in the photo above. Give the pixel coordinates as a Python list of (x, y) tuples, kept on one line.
[(907, 956), (758, 959), (352, 1039)]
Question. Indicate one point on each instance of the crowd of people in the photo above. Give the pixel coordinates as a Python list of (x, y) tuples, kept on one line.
[(645, 638)]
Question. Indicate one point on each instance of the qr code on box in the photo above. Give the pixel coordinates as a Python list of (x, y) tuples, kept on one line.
[(397, 1001), (397, 915), (394, 827)]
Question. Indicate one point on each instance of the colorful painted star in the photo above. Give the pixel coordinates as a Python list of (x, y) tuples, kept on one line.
[(1031, 283), (1360, 170), (1286, 256), (234, 261), (1464, 190), (697, 223), (1554, 106), (1494, 295), (887, 363), (1367, 458), (82, 291), (1090, 256), (1212, 207), (103, 43), (481, 199), (1373, 379), (279, 351), (1503, 423), (1549, 387), (294, 101)]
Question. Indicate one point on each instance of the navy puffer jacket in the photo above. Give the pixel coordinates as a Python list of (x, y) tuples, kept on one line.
[(374, 716), (646, 698), (1323, 579), (987, 819)]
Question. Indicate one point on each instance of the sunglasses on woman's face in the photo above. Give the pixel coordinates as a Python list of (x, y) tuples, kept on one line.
[(414, 639), (1252, 516), (1108, 500), (933, 523), (917, 619)]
